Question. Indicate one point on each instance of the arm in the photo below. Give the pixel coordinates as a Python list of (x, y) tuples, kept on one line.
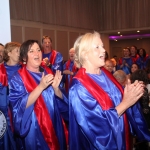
[(132, 93), (44, 83)]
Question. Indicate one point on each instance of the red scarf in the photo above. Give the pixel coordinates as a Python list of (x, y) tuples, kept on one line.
[(41, 111), (102, 97), (52, 57), (74, 69), (3, 74)]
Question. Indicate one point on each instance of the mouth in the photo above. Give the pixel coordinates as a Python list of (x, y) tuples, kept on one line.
[(102, 56)]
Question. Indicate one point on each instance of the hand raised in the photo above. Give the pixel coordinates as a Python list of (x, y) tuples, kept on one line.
[(46, 80), (133, 92), (57, 79)]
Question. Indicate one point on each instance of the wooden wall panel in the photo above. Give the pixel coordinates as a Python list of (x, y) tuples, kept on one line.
[(62, 43), (32, 33), (72, 38), (16, 34)]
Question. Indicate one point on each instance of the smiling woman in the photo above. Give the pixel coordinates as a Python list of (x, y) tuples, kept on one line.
[(98, 106)]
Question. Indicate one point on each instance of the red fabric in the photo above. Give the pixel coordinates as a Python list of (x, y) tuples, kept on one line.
[(53, 57), (3, 75), (102, 97), (74, 69), (41, 112)]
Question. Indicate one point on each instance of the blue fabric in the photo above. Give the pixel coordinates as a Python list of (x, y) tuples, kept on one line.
[(7, 141), (141, 62), (126, 69), (67, 77), (92, 128), (25, 121), (11, 70), (58, 64)]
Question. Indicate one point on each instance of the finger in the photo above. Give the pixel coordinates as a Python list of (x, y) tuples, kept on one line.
[(136, 82), (43, 74)]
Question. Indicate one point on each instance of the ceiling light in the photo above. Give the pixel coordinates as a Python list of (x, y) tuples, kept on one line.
[(138, 31)]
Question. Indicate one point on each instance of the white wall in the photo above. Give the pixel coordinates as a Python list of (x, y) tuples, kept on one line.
[(5, 33)]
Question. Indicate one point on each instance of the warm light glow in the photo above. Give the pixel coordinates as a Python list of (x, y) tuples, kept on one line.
[(120, 35), (118, 32), (138, 31)]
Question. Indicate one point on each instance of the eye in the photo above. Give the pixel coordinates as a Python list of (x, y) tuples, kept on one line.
[(30, 51), (39, 50)]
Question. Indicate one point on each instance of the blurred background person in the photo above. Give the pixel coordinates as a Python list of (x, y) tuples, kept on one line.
[(134, 53), (51, 57), (69, 69), (121, 77), (125, 62), (143, 59), (8, 68), (109, 65), (134, 67)]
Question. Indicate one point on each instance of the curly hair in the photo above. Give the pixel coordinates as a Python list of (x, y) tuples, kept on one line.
[(139, 75)]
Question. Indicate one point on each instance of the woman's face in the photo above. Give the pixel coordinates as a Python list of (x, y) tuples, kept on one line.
[(96, 56), (134, 67), (126, 53), (34, 56), (14, 55), (141, 52)]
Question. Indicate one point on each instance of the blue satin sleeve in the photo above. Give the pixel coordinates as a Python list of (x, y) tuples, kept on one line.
[(63, 105), (138, 125), (58, 64), (18, 101), (90, 127), (3, 95)]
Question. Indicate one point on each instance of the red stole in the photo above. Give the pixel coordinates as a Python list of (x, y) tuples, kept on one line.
[(41, 112), (3, 75), (52, 57), (102, 97), (74, 69)]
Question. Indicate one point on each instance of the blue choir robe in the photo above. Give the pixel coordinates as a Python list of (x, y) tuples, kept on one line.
[(27, 129), (142, 61), (58, 62), (8, 140), (69, 65), (91, 127), (126, 69), (11, 70)]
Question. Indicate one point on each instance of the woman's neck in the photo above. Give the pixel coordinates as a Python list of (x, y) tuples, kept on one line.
[(11, 63), (36, 70), (91, 69)]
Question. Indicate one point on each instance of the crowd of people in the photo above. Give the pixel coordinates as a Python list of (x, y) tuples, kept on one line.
[(85, 103)]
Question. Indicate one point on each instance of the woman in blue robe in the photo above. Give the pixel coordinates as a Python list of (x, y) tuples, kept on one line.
[(143, 59), (101, 117), (125, 62), (8, 68), (39, 107)]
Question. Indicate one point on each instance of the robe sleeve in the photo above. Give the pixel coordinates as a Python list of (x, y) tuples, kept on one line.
[(18, 97), (58, 64), (63, 105), (90, 124)]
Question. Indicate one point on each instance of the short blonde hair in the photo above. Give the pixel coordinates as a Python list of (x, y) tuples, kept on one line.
[(9, 47), (82, 45)]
